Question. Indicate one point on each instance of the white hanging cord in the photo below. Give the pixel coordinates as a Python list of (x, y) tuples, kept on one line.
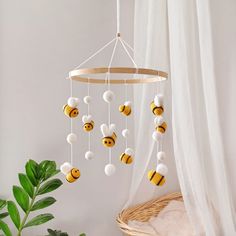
[(96, 53), (127, 52), (71, 124), (118, 16), (128, 45), (89, 133)]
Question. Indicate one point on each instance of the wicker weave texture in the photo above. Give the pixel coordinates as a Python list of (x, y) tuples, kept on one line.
[(143, 212)]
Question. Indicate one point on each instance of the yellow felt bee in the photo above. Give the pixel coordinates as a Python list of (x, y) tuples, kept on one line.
[(125, 109), (157, 177), (109, 135), (127, 156), (71, 173), (70, 109), (161, 124), (156, 106), (88, 123)]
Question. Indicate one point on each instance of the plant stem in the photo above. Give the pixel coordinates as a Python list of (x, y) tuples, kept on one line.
[(28, 211)]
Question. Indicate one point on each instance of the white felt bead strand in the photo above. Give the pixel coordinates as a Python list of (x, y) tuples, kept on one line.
[(87, 99), (108, 96), (71, 138), (89, 155), (125, 133), (110, 169), (161, 156)]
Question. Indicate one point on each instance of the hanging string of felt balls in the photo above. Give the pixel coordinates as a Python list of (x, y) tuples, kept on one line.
[(157, 177), (108, 130), (88, 124), (125, 109), (71, 110)]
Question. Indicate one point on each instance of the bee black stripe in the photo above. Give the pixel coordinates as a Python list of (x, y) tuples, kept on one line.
[(153, 175), (161, 127), (123, 108), (128, 159), (153, 110), (72, 111), (75, 177), (162, 177), (129, 113), (122, 156), (110, 138)]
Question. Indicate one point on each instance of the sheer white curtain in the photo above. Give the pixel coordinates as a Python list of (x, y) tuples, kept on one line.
[(196, 116), (151, 35)]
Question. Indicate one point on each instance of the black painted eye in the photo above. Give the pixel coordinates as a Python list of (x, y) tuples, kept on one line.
[(105, 141), (109, 142)]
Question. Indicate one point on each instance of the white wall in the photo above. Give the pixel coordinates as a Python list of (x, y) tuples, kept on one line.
[(40, 41)]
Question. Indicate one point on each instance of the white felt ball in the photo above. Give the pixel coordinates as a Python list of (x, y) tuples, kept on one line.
[(110, 169), (158, 120), (108, 96), (65, 168), (156, 136), (162, 169), (87, 99), (129, 151), (71, 138), (73, 102), (89, 155), (161, 156), (125, 133)]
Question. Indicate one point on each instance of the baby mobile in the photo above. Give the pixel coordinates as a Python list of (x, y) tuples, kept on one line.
[(108, 130)]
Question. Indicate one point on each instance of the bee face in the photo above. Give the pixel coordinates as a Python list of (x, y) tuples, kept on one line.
[(157, 111), (70, 112), (125, 110), (88, 126), (162, 128), (108, 141), (73, 175), (126, 159), (155, 178)]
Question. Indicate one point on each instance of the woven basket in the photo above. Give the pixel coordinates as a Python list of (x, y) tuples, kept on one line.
[(143, 212)]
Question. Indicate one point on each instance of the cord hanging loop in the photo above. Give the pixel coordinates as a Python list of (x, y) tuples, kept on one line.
[(118, 18)]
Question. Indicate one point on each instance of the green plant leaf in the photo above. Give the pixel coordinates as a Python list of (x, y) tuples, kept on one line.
[(4, 227), (49, 186), (83, 234), (40, 219), (3, 203), (26, 184), (47, 168), (56, 233), (32, 171), (21, 197), (3, 215), (43, 203), (14, 213)]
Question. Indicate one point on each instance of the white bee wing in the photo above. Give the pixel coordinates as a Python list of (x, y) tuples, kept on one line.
[(112, 128), (105, 130), (129, 151), (85, 119), (158, 100), (158, 120), (65, 168), (128, 103)]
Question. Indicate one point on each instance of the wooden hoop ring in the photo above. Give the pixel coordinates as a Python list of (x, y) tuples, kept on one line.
[(156, 75)]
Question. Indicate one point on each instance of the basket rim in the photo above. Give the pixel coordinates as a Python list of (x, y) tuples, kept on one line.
[(156, 205)]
